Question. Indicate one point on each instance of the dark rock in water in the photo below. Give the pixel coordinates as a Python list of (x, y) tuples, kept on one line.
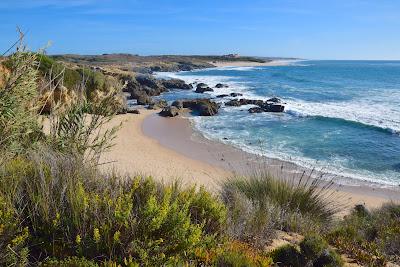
[(221, 96), (202, 87), (256, 110), (274, 108), (133, 111), (221, 85), (178, 104), (233, 103), (202, 90), (169, 112), (176, 84), (225, 138), (274, 100), (236, 94), (205, 107)]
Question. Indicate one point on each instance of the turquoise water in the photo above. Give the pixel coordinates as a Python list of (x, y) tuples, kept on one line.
[(341, 116)]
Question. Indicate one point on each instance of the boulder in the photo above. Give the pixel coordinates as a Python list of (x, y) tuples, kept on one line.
[(274, 100), (233, 103), (202, 87), (223, 95), (144, 99), (178, 104), (221, 85), (161, 103), (205, 107), (274, 108), (235, 94), (176, 84), (169, 112), (256, 110)]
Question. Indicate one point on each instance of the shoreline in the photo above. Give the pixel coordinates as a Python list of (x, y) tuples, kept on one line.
[(273, 63), (177, 134)]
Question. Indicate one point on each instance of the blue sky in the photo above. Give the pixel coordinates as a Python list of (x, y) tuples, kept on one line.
[(313, 29)]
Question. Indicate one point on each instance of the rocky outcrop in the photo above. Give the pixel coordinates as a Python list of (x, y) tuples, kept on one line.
[(256, 110), (204, 107), (143, 99), (267, 106), (176, 84), (274, 100), (178, 104), (169, 111), (235, 94), (223, 95), (202, 87), (221, 85), (158, 104)]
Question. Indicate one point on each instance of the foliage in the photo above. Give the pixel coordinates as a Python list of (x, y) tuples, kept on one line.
[(260, 204), (314, 251), (371, 237), (12, 236), (73, 210), (19, 128), (238, 254)]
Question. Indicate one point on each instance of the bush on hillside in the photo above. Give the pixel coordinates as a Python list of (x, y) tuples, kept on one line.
[(314, 251), (73, 210), (371, 237), (261, 204)]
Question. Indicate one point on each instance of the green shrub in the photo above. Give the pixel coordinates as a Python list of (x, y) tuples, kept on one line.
[(69, 262), (13, 236), (260, 204), (287, 255), (371, 237), (312, 247), (19, 129), (73, 210)]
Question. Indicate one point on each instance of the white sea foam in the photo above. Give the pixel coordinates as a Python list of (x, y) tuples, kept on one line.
[(361, 111), (333, 166)]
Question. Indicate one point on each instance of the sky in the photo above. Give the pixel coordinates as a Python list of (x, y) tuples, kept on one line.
[(310, 29)]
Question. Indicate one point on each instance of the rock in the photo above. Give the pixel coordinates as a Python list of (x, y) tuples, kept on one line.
[(161, 103), (144, 99), (149, 81), (202, 87), (205, 107), (256, 110), (176, 84), (221, 96), (236, 94), (133, 111), (178, 104), (233, 103), (274, 108), (221, 85), (274, 100), (169, 112)]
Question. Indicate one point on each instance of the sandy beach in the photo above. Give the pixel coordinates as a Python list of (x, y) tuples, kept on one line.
[(169, 149), (221, 64)]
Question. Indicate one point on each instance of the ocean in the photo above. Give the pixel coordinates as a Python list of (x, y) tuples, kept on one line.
[(342, 117)]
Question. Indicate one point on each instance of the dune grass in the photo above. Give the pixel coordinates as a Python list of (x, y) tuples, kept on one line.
[(262, 203)]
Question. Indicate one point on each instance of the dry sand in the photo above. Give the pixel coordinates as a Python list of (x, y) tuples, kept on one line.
[(137, 154), (220, 64), (168, 149)]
